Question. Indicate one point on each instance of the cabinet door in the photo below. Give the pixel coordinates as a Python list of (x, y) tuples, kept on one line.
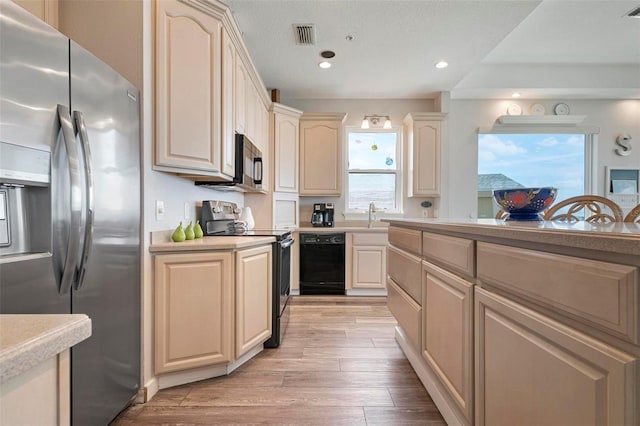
[(285, 210), (369, 267), (251, 115), (253, 298), (228, 129), (240, 96), (188, 86), (193, 310), (532, 370), (320, 158), (46, 10), (447, 340), (424, 149), (286, 141)]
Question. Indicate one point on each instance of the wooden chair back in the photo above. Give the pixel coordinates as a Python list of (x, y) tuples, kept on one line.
[(590, 208), (634, 215)]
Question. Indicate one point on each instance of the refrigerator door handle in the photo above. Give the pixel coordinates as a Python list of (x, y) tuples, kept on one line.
[(88, 237), (73, 247)]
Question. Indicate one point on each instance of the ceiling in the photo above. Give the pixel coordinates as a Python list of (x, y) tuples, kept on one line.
[(542, 49)]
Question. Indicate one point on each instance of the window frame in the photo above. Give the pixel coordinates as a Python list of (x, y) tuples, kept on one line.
[(356, 213), (590, 147)]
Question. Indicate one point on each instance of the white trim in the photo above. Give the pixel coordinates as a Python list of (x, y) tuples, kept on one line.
[(398, 172), (544, 129), (591, 163), (366, 292)]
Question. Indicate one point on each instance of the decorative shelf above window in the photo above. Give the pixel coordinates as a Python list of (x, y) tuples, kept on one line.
[(553, 120)]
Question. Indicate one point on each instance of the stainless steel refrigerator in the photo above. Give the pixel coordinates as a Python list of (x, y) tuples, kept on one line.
[(70, 204)]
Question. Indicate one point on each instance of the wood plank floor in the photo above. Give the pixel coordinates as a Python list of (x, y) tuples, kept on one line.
[(339, 364)]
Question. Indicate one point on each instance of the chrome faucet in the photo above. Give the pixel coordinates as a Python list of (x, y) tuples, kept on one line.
[(372, 212)]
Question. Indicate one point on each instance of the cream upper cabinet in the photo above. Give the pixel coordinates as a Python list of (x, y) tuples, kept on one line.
[(286, 142), (366, 261), (424, 133), (240, 96), (193, 310), (46, 10), (532, 370), (228, 105), (447, 333), (188, 88), (321, 154), (253, 298)]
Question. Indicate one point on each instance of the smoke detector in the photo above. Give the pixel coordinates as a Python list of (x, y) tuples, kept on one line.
[(305, 34)]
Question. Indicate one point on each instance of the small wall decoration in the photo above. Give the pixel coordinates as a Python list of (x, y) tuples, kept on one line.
[(624, 141)]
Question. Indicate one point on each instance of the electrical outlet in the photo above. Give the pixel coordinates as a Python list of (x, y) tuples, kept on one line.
[(425, 213), (187, 211), (159, 210)]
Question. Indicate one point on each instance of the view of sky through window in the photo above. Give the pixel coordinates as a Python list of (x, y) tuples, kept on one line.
[(535, 160), (372, 167)]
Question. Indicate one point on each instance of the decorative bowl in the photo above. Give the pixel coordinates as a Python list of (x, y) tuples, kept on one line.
[(524, 203)]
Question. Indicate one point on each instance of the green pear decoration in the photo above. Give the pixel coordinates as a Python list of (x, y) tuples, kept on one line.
[(197, 230), (188, 233), (178, 235)]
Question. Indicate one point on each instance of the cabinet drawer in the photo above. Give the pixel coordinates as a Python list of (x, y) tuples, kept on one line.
[(406, 311), (457, 254), (408, 239), (369, 239), (406, 270), (603, 294)]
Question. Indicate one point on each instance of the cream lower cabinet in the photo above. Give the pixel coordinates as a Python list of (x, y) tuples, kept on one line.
[(447, 333), (194, 297), (532, 370), (253, 298), (39, 396), (366, 261)]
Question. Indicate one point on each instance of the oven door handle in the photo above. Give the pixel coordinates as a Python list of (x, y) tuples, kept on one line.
[(287, 243)]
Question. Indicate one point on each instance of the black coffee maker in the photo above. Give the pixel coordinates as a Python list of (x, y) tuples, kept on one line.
[(322, 214)]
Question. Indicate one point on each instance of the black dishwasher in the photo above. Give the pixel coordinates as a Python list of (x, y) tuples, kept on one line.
[(322, 263)]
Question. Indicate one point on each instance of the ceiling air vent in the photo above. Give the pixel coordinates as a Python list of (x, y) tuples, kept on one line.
[(305, 33), (635, 13)]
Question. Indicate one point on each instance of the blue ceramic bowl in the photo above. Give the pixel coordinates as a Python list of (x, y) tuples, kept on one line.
[(524, 203)]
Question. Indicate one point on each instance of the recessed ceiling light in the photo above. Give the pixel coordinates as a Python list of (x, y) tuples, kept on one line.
[(325, 64), (442, 64), (328, 54), (515, 95)]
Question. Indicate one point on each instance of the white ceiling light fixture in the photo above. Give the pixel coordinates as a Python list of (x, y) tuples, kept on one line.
[(324, 65), (375, 120), (442, 64), (515, 95)]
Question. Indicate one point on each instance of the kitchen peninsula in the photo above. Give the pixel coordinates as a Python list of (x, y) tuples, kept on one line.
[(511, 320)]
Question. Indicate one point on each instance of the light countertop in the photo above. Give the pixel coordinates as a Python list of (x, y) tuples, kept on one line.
[(27, 340), (161, 242), (350, 226), (617, 238)]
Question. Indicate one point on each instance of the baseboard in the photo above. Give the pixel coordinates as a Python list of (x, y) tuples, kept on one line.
[(366, 292), (169, 380), (429, 380), (150, 389)]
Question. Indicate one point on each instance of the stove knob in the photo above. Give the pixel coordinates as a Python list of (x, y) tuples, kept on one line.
[(216, 209), (236, 210)]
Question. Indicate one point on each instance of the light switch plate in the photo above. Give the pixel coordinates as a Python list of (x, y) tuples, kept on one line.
[(159, 210), (187, 211)]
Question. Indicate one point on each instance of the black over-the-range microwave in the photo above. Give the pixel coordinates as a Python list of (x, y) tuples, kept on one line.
[(248, 167)]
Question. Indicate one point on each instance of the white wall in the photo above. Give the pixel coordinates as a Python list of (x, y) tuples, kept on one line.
[(613, 117)]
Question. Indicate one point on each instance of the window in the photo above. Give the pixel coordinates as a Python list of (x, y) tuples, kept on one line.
[(533, 160), (373, 170)]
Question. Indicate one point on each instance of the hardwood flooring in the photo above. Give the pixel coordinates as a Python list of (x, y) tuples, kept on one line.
[(339, 364)]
